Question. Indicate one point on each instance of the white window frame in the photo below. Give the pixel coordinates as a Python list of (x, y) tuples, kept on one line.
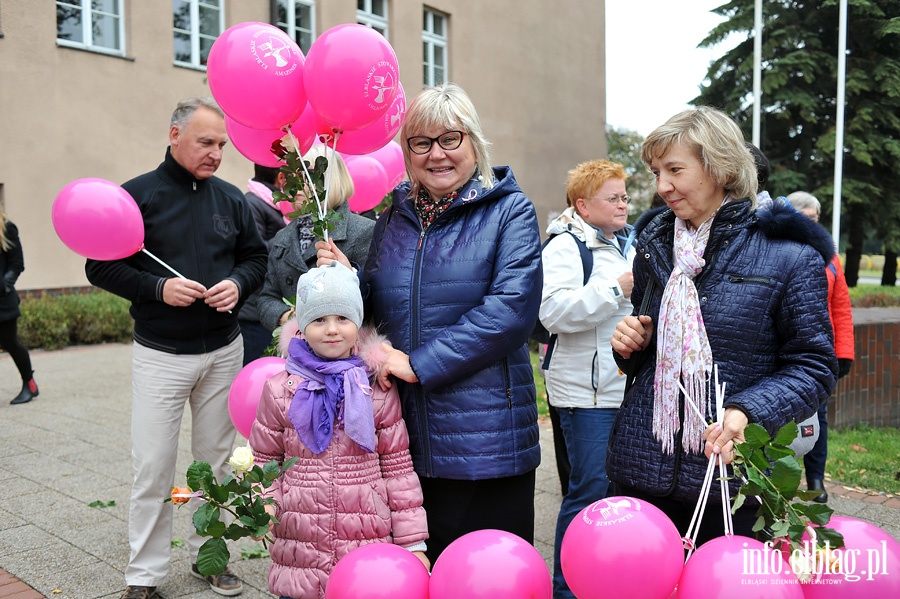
[(430, 41), (291, 26), (365, 16), (87, 33), (195, 33)]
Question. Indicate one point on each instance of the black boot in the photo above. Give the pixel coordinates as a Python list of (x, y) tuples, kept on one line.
[(817, 484), (29, 391)]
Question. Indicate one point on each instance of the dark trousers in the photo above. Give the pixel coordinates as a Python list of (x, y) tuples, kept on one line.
[(256, 339), (563, 467), (9, 341), (814, 461), (458, 507), (712, 526)]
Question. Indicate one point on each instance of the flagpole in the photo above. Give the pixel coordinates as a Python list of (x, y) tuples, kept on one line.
[(839, 125), (757, 68)]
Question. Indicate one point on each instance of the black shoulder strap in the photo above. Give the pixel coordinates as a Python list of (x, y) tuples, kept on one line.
[(638, 358)]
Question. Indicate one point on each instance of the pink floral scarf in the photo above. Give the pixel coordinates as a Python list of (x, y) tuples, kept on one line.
[(683, 351)]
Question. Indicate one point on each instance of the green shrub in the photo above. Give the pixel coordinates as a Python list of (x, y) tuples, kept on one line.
[(57, 321), (874, 296)]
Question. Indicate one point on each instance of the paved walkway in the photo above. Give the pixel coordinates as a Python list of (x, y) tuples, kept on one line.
[(70, 448)]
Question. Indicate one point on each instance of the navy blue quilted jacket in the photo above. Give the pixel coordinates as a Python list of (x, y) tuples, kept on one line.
[(763, 295), (461, 298)]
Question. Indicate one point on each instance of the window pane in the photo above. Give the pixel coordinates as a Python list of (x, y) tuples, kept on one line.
[(106, 32), (181, 14), (378, 8), (425, 15), (425, 75), (206, 44), (281, 14), (68, 23), (305, 42), (439, 56), (182, 47), (439, 76), (304, 17), (360, 4), (209, 20), (438, 25), (107, 6)]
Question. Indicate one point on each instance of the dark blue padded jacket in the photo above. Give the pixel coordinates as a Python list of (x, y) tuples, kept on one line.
[(461, 298), (763, 295)]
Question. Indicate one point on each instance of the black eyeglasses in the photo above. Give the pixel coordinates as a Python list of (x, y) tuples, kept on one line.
[(421, 144)]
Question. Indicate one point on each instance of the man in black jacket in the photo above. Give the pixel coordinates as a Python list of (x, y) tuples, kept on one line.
[(187, 342)]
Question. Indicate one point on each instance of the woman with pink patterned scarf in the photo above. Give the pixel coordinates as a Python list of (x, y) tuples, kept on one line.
[(717, 282)]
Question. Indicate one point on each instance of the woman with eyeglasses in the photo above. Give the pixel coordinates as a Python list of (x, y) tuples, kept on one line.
[(582, 301), (721, 284), (453, 279)]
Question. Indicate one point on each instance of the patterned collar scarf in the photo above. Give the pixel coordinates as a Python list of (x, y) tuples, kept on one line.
[(428, 210), (683, 351), (332, 391)]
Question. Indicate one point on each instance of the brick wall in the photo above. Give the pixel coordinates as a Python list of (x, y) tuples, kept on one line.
[(870, 394)]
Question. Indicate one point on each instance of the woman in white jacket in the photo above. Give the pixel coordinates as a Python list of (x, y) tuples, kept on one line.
[(583, 381)]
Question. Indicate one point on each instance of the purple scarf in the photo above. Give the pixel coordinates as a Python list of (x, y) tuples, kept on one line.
[(331, 390)]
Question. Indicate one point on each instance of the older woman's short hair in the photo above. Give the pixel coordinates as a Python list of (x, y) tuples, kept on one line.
[(187, 107), (446, 106), (801, 200), (585, 179), (718, 143), (340, 182)]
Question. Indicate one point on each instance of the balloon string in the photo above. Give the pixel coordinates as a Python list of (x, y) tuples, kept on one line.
[(309, 182), (323, 206), (169, 268)]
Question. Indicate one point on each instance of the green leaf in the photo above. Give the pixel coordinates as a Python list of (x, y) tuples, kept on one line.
[(806, 495), (775, 453), (755, 436), (786, 477), (235, 532), (759, 524), (205, 515), (177, 543), (738, 502), (215, 529), (818, 513), (829, 535), (786, 434), (200, 476), (213, 557)]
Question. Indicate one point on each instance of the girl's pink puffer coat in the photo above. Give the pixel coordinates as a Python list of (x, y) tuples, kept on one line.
[(333, 502)]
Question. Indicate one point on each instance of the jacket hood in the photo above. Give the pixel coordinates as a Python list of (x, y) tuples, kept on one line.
[(368, 347), (571, 222), (782, 221), (473, 191), (779, 221)]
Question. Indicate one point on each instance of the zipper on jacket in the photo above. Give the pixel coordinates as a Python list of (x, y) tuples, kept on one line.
[(595, 376), (506, 379), (413, 343), (757, 280)]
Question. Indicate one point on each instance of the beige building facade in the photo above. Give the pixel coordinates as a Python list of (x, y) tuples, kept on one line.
[(93, 96)]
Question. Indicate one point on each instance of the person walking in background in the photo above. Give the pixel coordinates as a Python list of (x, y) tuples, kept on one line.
[(584, 382), (453, 280), (841, 314), (730, 286), (12, 263), (293, 250), (187, 342), (354, 462), (269, 221)]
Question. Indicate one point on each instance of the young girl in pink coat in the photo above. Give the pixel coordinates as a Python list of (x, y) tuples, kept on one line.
[(354, 483)]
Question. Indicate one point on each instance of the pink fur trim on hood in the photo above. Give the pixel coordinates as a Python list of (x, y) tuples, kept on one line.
[(368, 347)]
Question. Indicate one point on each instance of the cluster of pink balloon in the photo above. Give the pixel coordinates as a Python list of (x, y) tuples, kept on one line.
[(624, 547), (346, 93), (246, 391), (485, 564)]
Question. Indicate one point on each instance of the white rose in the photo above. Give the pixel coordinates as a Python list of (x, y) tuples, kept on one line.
[(241, 460)]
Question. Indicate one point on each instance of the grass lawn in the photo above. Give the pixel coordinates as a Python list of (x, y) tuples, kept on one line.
[(857, 457), (865, 457)]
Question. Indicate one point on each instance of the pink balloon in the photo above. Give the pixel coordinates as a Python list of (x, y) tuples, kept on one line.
[(378, 571), (391, 158), (375, 136), (246, 391), (736, 566), (490, 564), (254, 144), (256, 73), (370, 183), (611, 546), (307, 128), (98, 219), (867, 566), (352, 76)]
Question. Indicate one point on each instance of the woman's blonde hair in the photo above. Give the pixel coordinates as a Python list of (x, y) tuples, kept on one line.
[(340, 182), (4, 241), (446, 106), (716, 140)]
